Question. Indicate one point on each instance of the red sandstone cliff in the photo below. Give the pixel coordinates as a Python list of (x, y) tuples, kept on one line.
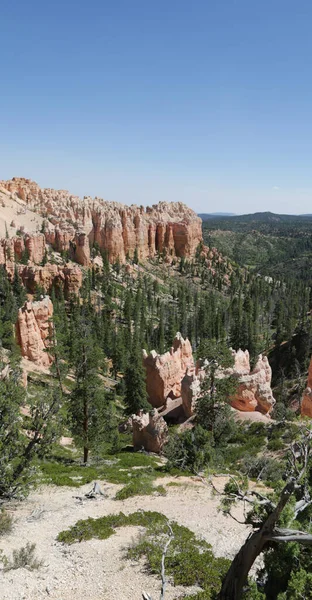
[(254, 391), (73, 224)]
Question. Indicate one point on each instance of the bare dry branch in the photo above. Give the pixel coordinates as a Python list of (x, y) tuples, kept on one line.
[(145, 595), (163, 574)]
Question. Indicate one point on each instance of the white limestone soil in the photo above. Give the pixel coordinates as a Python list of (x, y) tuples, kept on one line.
[(97, 569), (18, 212)]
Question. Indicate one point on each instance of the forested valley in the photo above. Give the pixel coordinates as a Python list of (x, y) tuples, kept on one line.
[(248, 288)]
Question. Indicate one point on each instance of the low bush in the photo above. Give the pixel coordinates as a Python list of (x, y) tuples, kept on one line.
[(141, 484), (190, 450), (22, 558), (189, 560), (104, 527), (6, 522)]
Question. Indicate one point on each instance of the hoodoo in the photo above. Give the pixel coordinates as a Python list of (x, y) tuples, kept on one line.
[(33, 330), (74, 224)]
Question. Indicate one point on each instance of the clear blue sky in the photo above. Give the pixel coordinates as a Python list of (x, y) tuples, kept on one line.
[(204, 101)]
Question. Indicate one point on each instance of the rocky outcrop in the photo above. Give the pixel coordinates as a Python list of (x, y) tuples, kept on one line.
[(306, 403), (29, 247), (69, 277), (164, 372), (191, 387), (254, 391), (150, 431), (82, 249), (33, 329), (172, 228)]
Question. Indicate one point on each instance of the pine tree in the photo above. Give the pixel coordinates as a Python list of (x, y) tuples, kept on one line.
[(18, 289), (88, 396), (16, 450), (136, 256), (135, 385)]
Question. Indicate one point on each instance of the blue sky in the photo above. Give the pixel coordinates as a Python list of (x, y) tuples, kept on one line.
[(207, 102)]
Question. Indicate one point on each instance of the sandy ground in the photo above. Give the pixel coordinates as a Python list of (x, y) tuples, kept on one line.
[(97, 569), (17, 211)]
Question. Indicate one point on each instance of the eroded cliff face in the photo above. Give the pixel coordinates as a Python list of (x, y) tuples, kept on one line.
[(73, 224), (32, 247), (254, 391), (69, 277), (33, 330), (306, 403), (175, 374), (164, 372)]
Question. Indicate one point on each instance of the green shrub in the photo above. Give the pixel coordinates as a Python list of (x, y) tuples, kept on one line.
[(263, 468), (140, 486), (190, 450), (275, 444), (104, 527), (189, 560)]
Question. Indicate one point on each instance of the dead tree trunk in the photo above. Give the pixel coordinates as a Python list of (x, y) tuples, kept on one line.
[(236, 577)]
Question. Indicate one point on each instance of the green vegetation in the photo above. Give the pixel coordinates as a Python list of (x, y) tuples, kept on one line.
[(257, 296), (136, 471), (23, 558), (104, 527), (189, 561)]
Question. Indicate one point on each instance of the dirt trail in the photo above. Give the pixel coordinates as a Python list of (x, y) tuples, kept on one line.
[(96, 569)]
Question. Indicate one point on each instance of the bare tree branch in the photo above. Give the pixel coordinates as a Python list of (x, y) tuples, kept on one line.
[(145, 595), (290, 535), (163, 574), (268, 532)]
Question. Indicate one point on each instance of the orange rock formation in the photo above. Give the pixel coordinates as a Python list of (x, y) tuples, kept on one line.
[(33, 329), (164, 372), (150, 431), (73, 224), (174, 374), (254, 391)]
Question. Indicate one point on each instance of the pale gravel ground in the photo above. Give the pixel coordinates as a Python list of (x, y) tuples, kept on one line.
[(11, 211), (96, 569)]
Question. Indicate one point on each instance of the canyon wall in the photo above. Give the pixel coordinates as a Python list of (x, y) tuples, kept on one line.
[(74, 224)]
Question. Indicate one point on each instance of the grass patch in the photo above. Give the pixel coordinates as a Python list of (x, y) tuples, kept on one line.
[(135, 470), (189, 561), (72, 475), (174, 484), (104, 527), (142, 485)]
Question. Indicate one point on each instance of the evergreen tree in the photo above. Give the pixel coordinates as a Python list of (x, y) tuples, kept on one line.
[(18, 289), (16, 450), (135, 385), (88, 406)]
